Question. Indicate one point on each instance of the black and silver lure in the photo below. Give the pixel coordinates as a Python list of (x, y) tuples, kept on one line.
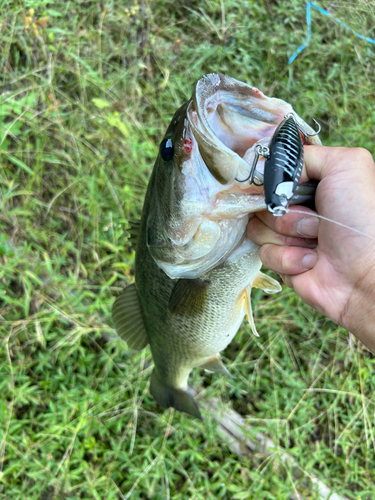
[(284, 163)]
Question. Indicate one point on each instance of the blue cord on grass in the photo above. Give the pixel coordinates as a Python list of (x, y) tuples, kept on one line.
[(326, 13)]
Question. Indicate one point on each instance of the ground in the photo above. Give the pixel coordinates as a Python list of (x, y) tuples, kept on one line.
[(88, 89)]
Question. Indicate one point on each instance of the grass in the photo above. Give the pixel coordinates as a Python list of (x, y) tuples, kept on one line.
[(87, 90)]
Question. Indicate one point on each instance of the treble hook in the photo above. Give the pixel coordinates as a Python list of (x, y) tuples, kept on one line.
[(305, 134), (259, 151)]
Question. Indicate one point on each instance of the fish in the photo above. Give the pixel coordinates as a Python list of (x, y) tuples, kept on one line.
[(194, 265)]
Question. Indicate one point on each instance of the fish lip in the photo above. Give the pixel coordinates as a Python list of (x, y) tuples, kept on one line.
[(227, 118)]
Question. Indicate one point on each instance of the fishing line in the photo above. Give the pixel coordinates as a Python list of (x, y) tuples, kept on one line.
[(331, 220), (326, 13)]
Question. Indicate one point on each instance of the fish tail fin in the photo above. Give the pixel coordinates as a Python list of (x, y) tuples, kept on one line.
[(167, 396)]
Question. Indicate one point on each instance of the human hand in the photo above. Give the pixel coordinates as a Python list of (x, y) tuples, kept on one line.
[(331, 267)]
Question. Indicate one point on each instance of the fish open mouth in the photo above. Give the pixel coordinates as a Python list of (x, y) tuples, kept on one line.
[(228, 119)]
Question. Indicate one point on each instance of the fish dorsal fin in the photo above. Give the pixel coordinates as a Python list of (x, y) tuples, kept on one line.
[(249, 311), (215, 364), (127, 316), (188, 296), (133, 230), (266, 283)]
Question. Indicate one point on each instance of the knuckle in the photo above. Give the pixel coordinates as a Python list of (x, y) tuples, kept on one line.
[(275, 258), (286, 225), (281, 225), (282, 260), (360, 155), (266, 254)]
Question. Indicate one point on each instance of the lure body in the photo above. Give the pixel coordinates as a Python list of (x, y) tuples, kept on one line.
[(283, 166)]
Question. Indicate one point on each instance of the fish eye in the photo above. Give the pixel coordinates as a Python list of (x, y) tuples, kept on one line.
[(166, 149)]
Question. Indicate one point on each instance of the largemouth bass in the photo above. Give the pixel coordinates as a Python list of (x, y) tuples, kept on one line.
[(194, 266)]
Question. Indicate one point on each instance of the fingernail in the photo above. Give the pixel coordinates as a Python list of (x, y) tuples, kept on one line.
[(308, 227), (309, 260)]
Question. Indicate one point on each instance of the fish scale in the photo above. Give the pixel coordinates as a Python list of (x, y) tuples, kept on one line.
[(224, 309)]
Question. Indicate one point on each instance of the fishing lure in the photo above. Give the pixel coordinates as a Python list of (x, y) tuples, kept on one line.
[(283, 165)]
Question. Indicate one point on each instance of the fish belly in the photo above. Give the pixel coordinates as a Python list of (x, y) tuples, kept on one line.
[(193, 338)]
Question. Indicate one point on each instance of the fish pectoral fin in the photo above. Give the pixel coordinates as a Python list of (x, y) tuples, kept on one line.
[(133, 230), (127, 316), (215, 364), (249, 311), (167, 396), (188, 296), (266, 283)]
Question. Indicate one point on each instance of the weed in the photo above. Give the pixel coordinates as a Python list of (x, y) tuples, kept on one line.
[(87, 91)]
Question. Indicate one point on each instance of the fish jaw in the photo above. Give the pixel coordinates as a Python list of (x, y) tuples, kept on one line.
[(228, 118)]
